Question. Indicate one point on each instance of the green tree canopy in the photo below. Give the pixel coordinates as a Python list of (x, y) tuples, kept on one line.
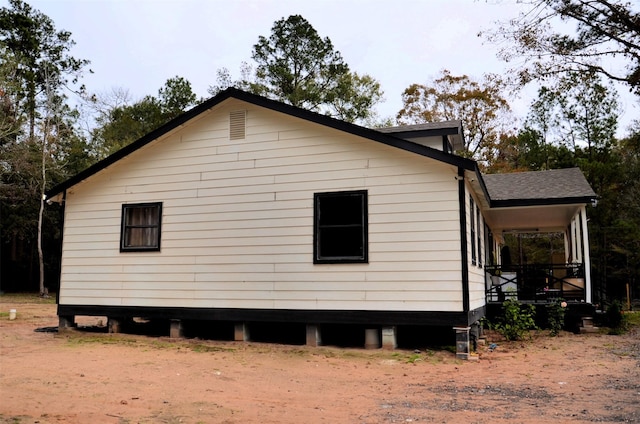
[(297, 66), (40, 55), (121, 124), (39, 139)]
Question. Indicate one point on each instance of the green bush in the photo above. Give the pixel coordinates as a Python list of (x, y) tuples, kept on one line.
[(516, 320), (615, 319), (555, 316)]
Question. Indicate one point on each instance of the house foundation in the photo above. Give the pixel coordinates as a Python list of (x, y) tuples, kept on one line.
[(175, 329), (314, 337), (371, 338), (389, 339), (115, 325), (462, 342), (66, 322), (241, 332)]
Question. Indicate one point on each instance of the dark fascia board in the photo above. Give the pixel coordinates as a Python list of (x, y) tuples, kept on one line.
[(541, 202), (430, 132), (269, 104), (364, 317), (485, 191)]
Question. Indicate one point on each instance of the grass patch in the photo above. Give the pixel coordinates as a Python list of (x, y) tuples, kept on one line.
[(79, 338), (633, 318), (33, 298)]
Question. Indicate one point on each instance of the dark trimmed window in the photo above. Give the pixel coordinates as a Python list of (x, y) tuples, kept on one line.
[(141, 224), (479, 223), (340, 232), (472, 213)]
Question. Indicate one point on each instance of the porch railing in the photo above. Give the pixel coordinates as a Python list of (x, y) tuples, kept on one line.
[(535, 282)]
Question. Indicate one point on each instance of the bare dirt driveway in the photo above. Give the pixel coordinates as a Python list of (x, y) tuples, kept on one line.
[(85, 377)]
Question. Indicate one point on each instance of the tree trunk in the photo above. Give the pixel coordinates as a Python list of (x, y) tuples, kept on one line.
[(43, 289)]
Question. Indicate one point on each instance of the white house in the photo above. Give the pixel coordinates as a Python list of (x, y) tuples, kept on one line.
[(248, 210)]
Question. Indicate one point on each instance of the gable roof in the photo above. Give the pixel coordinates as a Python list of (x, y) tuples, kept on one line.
[(556, 186), (372, 134)]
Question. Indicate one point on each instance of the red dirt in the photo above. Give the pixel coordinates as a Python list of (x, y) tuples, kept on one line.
[(84, 377)]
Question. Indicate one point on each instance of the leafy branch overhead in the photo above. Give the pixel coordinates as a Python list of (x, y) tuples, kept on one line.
[(480, 105), (552, 37)]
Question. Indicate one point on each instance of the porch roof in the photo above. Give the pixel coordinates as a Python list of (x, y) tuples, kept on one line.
[(541, 201), (552, 187)]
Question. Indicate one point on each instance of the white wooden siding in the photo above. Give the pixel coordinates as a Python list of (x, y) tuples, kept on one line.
[(237, 225)]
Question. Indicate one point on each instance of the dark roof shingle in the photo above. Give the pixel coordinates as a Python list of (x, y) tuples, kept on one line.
[(537, 186)]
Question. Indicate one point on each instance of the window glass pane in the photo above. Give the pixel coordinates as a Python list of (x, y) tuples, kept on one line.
[(341, 242), (340, 227), (141, 227), (340, 210)]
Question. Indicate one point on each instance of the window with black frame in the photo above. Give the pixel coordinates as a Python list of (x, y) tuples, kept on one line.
[(141, 225), (341, 227)]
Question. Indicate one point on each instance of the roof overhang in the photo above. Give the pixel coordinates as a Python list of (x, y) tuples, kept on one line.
[(532, 219), (450, 129)]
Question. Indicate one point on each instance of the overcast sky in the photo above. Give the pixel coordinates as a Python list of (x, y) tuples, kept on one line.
[(139, 44)]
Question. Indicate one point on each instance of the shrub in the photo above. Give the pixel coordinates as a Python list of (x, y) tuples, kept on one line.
[(555, 316), (615, 319), (516, 320)]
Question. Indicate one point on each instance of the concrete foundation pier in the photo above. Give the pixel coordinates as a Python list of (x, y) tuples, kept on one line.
[(462, 342), (66, 322), (371, 338), (175, 329), (314, 337), (389, 340), (115, 325), (241, 332)]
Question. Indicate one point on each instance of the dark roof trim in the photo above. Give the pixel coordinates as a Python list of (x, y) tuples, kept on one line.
[(357, 130), (541, 202), (425, 130)]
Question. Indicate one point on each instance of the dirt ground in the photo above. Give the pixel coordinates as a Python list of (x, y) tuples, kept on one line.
[(88, 377)]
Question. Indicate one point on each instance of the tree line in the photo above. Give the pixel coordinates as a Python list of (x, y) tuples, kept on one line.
[(45, 136)]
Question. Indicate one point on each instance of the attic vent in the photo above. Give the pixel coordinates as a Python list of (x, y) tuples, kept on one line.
[(237, 124)]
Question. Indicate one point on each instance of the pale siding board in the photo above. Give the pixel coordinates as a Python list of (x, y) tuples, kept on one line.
[(431, 217), (181, 215), (127, 259), (317, 159), (405, 206), (286, 256), (163, 179), (98, 280), (234, 200), (206, 246), (408, 236), (248, 224), (95, 297), (203, 302), (239, 286), (400, 284), (158, 294), (357, 305), (441, 295), (426, 248)]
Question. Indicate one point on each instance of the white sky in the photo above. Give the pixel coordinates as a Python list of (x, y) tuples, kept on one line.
[(138, 44)]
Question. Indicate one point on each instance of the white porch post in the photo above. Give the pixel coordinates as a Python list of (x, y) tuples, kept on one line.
[(567, 239), (586, 257)]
